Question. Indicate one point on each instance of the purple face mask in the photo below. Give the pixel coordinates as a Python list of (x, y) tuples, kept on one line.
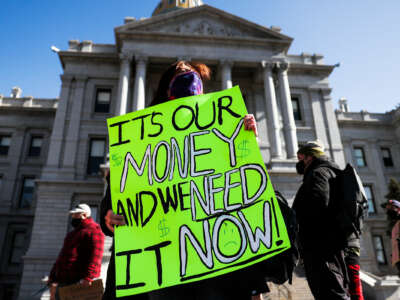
[(185, 85)]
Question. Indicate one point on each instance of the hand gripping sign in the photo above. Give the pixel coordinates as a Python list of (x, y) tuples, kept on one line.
[(194, 191)]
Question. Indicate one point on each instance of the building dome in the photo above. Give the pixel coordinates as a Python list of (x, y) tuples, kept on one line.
[(170, 5)]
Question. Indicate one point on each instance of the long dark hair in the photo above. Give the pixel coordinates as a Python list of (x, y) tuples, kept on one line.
[(162, 90)]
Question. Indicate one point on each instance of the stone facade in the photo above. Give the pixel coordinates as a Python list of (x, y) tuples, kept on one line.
[(371, 143), (25, 128), (288, 94)]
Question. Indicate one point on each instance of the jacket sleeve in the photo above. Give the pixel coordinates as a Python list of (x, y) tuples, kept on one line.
[(95, 254), (52, 276), (105, 206), (59, 262), (318, 193)]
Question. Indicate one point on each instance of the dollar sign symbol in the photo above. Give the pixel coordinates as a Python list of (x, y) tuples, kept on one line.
[(243, 150), (116, 159), (163, 229)]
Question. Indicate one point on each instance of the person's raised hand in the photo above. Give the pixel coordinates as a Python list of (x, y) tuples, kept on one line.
[(53, 289), (250, 124), (112, 219)]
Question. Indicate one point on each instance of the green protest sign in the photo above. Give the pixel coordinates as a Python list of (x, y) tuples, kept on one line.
[(194, 191)]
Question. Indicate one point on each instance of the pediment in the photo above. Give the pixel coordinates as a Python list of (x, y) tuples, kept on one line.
[(202, 21)]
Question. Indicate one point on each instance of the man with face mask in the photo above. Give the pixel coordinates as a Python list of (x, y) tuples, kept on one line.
[(80, 257), (320, 247)]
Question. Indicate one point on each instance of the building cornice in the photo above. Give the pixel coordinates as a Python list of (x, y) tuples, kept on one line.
[(177, 37), (313, 68), (364, 118), (319, 88), (28, 104), (66, 56)]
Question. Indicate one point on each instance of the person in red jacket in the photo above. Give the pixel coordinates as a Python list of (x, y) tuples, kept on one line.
[(80, 257)]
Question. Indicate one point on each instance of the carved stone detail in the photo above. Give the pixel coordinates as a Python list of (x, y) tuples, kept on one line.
[(227, 62), (141, 59), (126, 56), (266, 64), (202, 26), (282, 66), (66, 80)]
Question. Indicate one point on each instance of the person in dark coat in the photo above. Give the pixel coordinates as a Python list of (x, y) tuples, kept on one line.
[(184, 79), (320, 247)]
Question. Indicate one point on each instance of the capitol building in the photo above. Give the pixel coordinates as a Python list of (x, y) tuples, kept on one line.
[(52, 150)]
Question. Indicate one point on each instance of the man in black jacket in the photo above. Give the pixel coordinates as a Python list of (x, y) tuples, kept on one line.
[(321, 248)]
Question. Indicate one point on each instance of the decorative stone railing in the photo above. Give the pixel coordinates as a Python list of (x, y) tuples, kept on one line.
[(28, 102), (362, 116)]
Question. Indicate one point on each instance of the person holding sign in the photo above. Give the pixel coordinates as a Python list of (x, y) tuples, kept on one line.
[(80, 258), (182, 79)]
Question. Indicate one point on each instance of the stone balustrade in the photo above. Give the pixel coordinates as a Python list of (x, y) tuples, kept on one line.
[(29, 102)]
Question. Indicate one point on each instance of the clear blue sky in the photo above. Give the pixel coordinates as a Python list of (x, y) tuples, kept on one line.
[(363, 35)]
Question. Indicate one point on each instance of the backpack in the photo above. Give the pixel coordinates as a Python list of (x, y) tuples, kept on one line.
[(350, 202), (279, 268)]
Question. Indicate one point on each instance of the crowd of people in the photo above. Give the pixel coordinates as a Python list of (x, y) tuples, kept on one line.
[(331, 264)]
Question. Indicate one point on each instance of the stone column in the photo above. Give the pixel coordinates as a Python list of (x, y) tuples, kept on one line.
[(49, 228), (289, 125), (319, 119), (72, 138), (347, 151), (57, 134), (226, 74), (374, 162), (15, 155), (123, 86), (397, 122), (368, 256), (334, 137), (272, 110), (139, 96)]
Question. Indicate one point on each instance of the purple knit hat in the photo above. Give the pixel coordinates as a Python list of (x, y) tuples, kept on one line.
[(185, 85)]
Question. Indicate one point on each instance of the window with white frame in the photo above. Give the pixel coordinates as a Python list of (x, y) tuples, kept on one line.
[(5, 141), (36, 146), (371, 199), (103, 100), (387, 157), (296, 108), (17, 248), (96, 155), (359, 156), (27, 192), (379, 250)]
